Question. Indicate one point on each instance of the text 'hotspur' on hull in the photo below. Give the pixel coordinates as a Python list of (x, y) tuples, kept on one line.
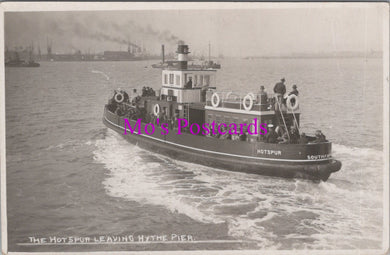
[(190, 95)]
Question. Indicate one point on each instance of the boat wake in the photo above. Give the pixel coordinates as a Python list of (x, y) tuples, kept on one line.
[(343, 213)]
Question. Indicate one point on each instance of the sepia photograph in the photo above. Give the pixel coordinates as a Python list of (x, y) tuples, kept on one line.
[(188, 128)]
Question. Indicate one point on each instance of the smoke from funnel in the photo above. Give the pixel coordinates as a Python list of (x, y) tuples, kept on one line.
[(69, 30), (111, 31)]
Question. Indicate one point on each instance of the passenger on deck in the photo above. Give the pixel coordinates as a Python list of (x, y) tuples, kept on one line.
[(294, 91), (189, 84), (262, 98), (134, 97), (272, 136), (125, 97), (137, 113), (119, 111), (112, 105), (174, 120), (203, 93), (320, 137), (225, 136), (235, 137), (280, 88), (151, 92), (128, 113), (294, 135), (284, 139), (152, 118), (164, 117), (303, 139), (134, 94), (243, 137)]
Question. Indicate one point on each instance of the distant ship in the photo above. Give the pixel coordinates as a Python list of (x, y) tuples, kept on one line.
[(17, 62), (189, 95), (206, 64)]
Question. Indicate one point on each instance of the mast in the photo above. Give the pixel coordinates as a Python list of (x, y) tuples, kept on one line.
[(209, 51)]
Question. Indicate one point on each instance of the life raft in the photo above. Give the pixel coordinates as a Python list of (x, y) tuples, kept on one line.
[(215, 100), (290, 100), (156, 109), (244, 102), (119, 97)]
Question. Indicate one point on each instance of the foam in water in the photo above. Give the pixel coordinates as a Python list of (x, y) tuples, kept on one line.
[(345, 212)]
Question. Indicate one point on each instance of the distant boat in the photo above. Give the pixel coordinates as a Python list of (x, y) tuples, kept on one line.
[(17, 62), (20, 63)]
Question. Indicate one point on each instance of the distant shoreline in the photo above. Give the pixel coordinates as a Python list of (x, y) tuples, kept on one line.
[(317, 56)]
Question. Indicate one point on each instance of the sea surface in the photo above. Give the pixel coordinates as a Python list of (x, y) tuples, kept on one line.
[(68, 175)]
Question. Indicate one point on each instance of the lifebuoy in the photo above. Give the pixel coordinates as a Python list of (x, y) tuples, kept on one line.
[(246, 98), (119, 97), (289, 102), (214, 97), (156, 110)]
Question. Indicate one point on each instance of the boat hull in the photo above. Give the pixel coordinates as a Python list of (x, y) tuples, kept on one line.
[(166, 145)]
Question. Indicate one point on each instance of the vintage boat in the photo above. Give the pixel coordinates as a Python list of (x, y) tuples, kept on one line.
[(191, 96)]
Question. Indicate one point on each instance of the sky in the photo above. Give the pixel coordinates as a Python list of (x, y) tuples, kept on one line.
[(236, 33)]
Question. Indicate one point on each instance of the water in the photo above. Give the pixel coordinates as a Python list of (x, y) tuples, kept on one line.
[(68, 175)]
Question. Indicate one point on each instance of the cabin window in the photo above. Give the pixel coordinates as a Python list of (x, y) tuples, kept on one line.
[(206, 80), (171, 76), (209, 118), (165, 78), (195, 80), (200, 80), (177, 79)]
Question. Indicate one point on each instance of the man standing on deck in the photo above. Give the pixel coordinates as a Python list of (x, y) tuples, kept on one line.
[(262, 98), (189, 84), (272, 136), (294, 91), (279, 90)]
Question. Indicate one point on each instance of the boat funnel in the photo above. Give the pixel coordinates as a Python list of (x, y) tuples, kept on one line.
[(182, 57)]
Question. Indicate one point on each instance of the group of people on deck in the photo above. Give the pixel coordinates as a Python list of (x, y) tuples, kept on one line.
[(292, 136), (279, 90)]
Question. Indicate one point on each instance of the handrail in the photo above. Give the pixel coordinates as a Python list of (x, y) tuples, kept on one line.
[(296, 122), (284, 122)]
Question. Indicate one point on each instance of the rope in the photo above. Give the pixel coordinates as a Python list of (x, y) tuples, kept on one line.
[(296, 122), (284, 122)]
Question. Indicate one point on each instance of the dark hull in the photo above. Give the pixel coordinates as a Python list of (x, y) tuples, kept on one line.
[(217, 154)]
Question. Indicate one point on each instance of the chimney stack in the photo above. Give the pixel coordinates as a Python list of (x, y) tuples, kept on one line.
[(163, 53)]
